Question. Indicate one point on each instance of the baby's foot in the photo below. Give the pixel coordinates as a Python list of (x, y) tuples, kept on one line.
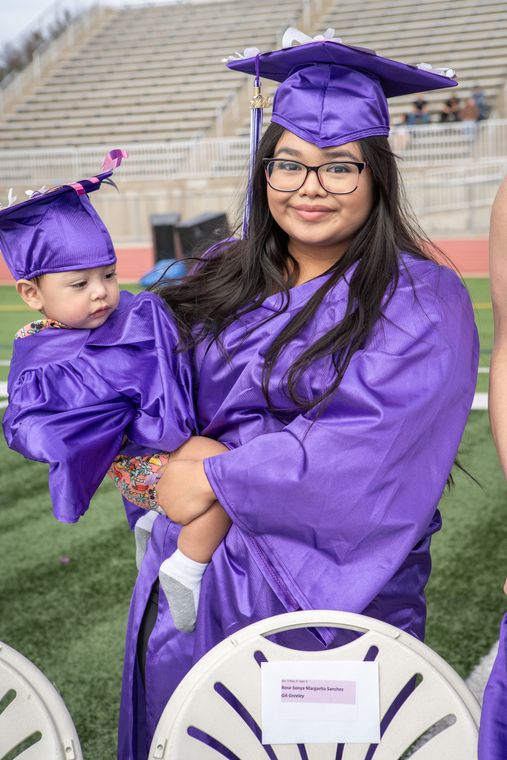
[(142, 533), (180, 578)]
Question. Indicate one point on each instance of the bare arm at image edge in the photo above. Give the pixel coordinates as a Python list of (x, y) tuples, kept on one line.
[(498, 284)]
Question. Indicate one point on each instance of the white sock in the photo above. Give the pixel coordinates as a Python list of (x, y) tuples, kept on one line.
[(180, 578), (142, 533)]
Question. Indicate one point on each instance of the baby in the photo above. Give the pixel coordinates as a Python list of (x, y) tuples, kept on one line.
[(100, 372)]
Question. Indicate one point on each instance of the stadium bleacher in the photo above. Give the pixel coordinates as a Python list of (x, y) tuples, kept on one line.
[(146, 73), (154, 73), (151, 78)]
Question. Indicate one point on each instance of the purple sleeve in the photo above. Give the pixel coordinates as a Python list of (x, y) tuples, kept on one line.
[(138, 357), (74, 422), (493, 728), (337, 503), (74, 413)]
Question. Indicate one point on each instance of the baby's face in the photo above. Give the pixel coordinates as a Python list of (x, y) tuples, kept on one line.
[(81, 299)]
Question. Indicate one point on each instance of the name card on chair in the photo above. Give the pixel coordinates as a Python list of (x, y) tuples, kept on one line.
[(320, 702)]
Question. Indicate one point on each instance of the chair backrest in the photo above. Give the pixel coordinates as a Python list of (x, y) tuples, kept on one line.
[(203, 721), (34, 721)]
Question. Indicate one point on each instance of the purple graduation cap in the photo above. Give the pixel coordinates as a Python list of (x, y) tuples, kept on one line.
[(58, 230), (330, 93)]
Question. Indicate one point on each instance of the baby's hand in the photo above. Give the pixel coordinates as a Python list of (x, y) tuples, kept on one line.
[(505, 587)]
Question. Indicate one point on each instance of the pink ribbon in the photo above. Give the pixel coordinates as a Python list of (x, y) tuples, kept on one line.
[(111, 162), (113, 159)]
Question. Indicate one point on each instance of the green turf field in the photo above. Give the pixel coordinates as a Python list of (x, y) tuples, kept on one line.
[(65, 589)]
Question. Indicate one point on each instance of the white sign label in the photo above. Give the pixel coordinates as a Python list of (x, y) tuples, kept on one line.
[(320, 702)]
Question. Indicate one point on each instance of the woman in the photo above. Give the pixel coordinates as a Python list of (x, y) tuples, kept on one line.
[(335, 360)]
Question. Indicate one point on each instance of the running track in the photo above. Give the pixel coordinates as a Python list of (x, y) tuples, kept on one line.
[(470, 256)]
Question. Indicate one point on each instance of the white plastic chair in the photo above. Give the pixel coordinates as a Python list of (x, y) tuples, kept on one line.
[(440, 694), (32, 708)]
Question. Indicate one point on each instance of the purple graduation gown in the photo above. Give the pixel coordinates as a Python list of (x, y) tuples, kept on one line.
[(337, 514), (493, 728), (74, 393)]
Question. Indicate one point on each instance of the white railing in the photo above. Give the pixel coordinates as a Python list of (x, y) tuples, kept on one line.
[(204, 158), (446, 143), (455, 198), (455, 188), (469, 146), (450, 181)]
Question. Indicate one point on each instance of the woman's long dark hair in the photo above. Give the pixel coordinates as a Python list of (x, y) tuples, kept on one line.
[(241, 274)]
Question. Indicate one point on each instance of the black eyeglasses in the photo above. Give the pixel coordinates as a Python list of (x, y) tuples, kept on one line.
[(336, 177)]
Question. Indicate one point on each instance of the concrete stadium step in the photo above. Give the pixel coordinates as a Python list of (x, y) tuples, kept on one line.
[(133, 120), (123, 81), (108, 112), (183, 75), (377, 41), (133, 99), (177, 59), (105, 110), (136, 86), (189, 40), (206, 16), (49, 90), (184, 126), (213, 72), (385, 24), (444, 31), (182, 129), (79, 139), (208, 57), (414, 34), (458, 54), (394, 15), (472, 42), (429, 6), (161, 96), (169, 49), (136, 32)]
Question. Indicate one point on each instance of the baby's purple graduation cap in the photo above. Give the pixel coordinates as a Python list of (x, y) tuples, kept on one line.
[(58, 230), (331, 93)]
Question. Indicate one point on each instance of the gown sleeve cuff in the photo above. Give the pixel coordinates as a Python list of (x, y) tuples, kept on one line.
[(212, 470)]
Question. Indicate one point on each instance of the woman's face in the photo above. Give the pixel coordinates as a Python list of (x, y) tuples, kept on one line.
[(312, 217)]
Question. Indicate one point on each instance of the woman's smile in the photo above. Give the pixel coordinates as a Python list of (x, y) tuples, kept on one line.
[(310, 213)]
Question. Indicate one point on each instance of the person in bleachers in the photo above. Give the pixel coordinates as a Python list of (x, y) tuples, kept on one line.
[(400, 136), (451, 110), (419, 113), (309, 333), (470, 111), (479, 97), (469, 116)]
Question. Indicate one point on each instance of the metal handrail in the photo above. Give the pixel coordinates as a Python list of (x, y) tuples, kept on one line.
[(448, 146)]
